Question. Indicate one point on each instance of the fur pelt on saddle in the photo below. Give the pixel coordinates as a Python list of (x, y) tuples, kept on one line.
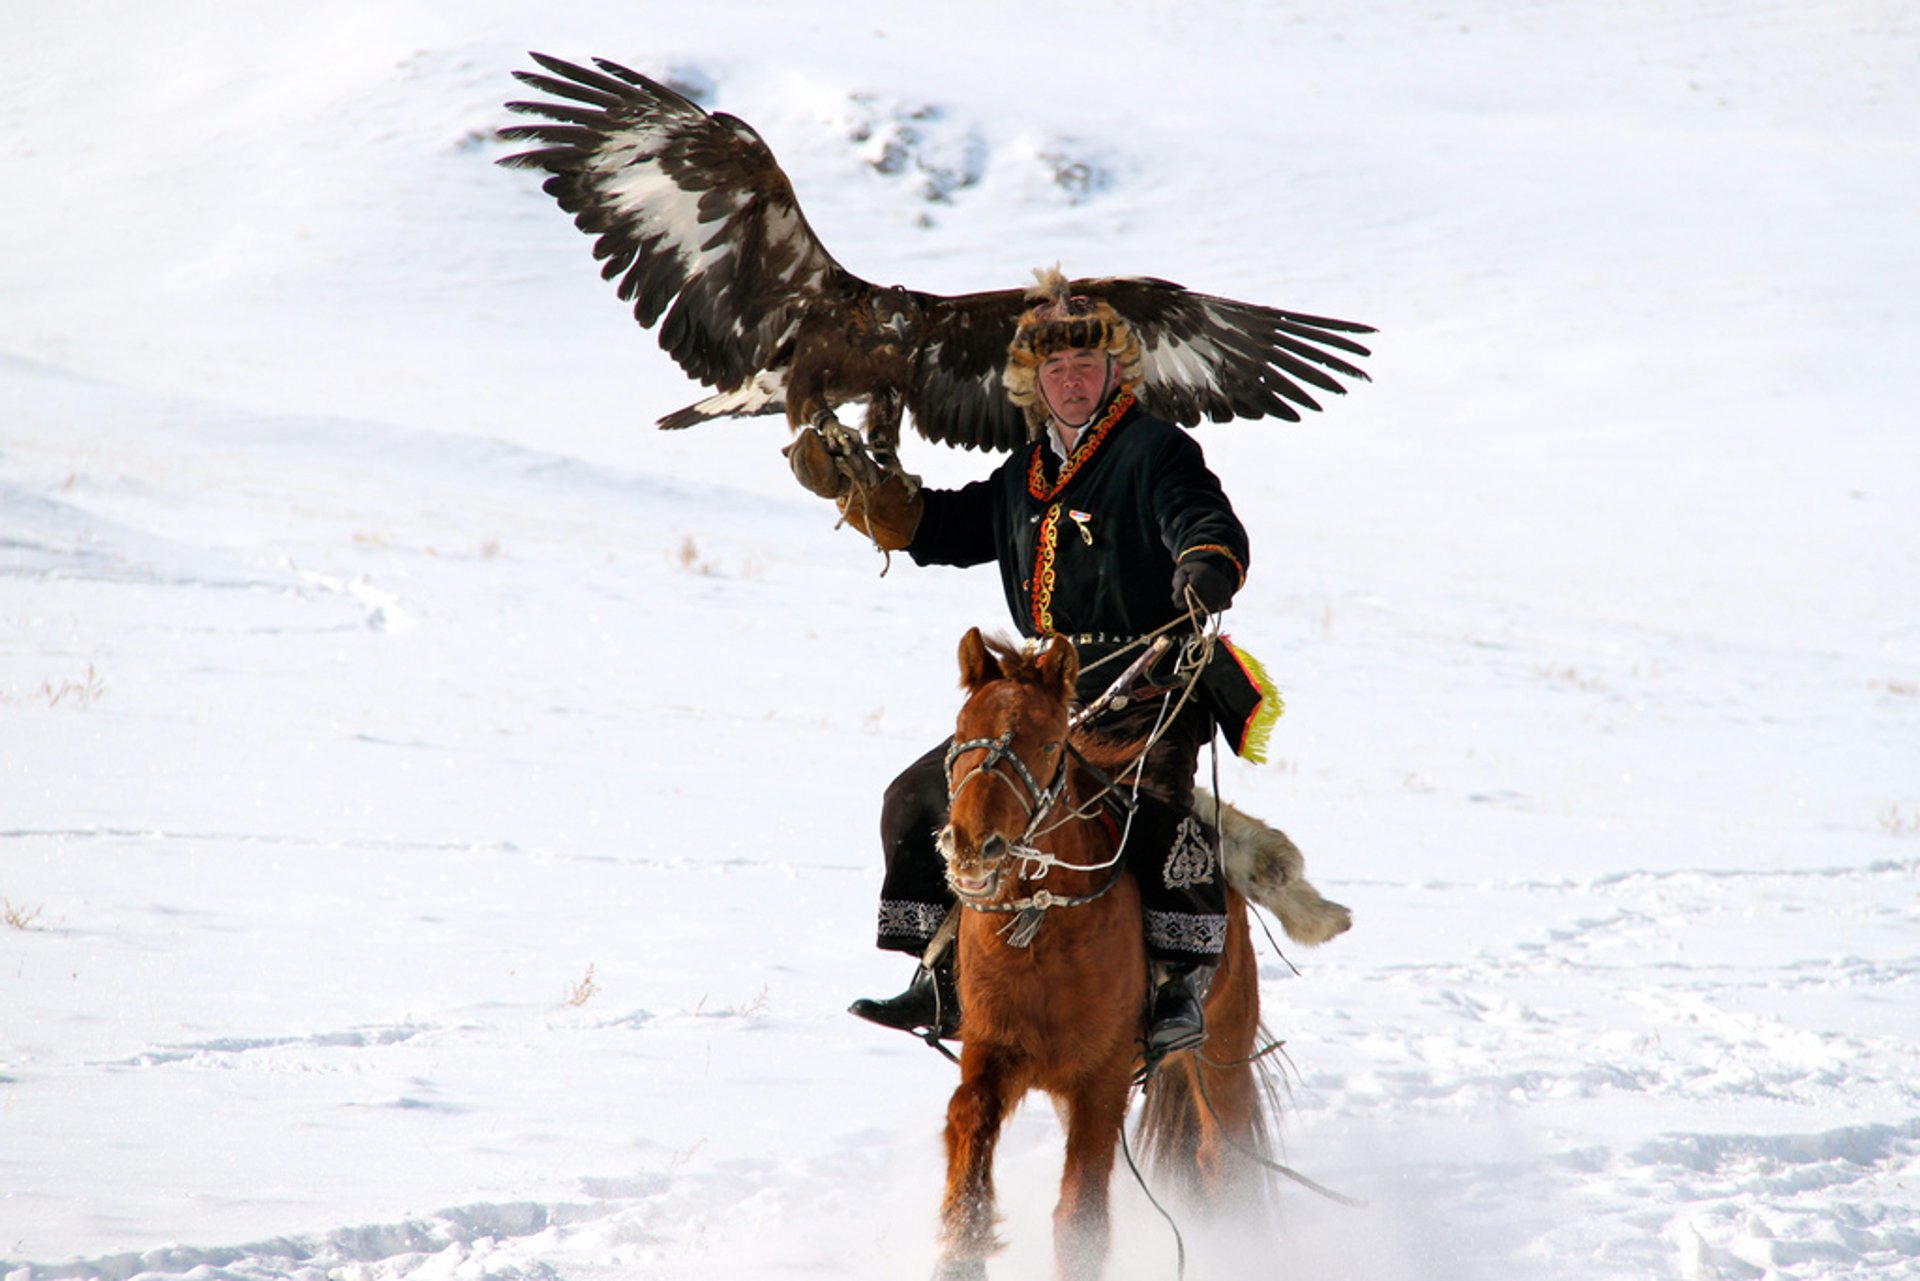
[(1266, 866)]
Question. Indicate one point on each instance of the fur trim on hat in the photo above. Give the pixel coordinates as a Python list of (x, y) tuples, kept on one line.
[(1056, 321)]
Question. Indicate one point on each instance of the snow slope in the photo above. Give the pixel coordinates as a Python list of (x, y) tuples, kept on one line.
[(436, 811)]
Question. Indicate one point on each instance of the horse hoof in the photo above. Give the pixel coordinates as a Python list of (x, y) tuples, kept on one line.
[(960, 1270)]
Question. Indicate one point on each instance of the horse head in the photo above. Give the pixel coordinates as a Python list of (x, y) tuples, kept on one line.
[(1007, 765)]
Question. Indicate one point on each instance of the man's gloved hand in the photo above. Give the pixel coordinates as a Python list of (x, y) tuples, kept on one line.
[(883, 507), (815, 466), (888, 513), (1212, 586)]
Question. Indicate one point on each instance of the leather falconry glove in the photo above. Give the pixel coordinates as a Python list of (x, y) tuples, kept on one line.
[(1210, 584), (816, 466), (887, 513), (881, 507)]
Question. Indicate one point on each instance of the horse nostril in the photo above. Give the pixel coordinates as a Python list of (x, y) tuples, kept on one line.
[(993, 847)]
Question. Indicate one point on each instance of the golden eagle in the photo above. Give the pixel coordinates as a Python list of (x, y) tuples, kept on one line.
[(699, 225)]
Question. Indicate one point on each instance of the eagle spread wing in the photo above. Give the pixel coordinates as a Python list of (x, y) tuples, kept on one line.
[(689, 212), (699, 225)]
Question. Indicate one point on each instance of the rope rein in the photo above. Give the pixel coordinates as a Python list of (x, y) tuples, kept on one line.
[(1193, 660)]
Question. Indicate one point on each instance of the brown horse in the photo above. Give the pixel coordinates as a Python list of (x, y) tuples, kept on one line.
[(1053, 974)]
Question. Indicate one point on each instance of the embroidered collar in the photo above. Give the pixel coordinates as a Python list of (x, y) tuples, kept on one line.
[(1091, 438)]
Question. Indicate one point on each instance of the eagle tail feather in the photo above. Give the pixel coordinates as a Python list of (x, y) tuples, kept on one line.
[(766, 393)]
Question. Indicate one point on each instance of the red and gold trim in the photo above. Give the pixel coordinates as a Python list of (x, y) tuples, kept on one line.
[(1090, 443), (1046, 550), (1257, 729), (1217, 549)]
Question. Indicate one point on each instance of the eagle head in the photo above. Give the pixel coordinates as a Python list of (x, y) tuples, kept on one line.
[(895, 314)]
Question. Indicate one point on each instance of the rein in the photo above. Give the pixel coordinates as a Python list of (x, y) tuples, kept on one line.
[(1038, 802), (1116, 792)]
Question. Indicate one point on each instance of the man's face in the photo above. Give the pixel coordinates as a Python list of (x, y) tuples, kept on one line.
[(1075, 382)]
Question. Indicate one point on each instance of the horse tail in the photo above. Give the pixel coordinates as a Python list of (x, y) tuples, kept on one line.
[(1206, 1118)]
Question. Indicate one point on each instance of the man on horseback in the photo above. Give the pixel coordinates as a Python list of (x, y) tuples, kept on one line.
[(1108, 528)]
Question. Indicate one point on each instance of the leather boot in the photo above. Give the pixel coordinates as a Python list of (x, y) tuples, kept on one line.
[(930, 1005), (1178, 1018)]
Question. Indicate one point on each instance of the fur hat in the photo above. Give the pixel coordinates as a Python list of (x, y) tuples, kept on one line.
[(1056, 321)]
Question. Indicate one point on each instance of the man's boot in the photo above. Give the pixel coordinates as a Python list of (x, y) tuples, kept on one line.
[(931, 1003), (1178, 1018)]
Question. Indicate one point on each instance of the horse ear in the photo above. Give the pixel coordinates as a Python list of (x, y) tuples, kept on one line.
[(1061, 665), (976, 664)]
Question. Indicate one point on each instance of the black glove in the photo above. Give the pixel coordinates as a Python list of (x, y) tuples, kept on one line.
[(1214, 588)]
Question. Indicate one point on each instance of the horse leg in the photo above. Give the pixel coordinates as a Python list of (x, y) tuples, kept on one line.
[(974, 1116), (1095, 1112)]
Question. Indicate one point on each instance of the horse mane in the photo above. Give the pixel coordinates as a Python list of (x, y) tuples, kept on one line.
[(1106, 751)]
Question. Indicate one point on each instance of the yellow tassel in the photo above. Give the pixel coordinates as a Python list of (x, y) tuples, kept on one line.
[(1253, 742)]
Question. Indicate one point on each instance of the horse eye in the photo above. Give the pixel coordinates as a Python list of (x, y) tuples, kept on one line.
[(1051, 748)]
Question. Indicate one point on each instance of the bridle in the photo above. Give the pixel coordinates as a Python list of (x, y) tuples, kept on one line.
[(1036, 800)]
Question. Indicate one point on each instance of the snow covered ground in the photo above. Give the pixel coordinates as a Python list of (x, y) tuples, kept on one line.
[(437, 812)]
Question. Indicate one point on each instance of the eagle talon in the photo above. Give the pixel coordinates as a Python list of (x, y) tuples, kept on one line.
[(891, 467), (848, 451), (886, 458), (841, 442), (816, 467)]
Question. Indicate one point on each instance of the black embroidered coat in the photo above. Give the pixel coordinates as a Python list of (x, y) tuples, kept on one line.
[(1087, 547)]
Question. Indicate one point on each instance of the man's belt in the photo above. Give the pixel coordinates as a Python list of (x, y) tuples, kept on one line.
[(1096, 648), (1113, 640)]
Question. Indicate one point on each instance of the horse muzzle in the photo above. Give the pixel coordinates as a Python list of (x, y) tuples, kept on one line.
[(974, 875)]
